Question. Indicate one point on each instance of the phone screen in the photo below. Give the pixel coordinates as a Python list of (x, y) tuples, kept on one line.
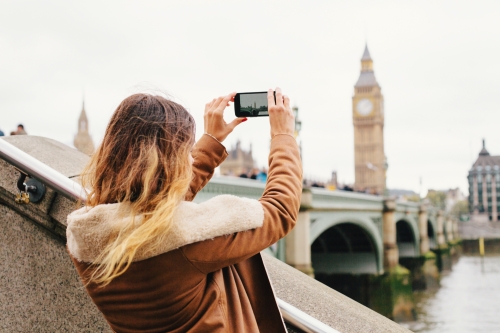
[(251, 104)]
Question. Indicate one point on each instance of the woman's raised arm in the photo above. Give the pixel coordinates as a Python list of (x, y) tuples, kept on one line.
[(280, 201), (208, 153)]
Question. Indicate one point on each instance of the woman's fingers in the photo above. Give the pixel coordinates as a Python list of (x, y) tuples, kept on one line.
[(214, 117), (235, 123), (217, 103), (286, 101), (209, 105), (281, 116), (270, 98), (279, 97), (222, 102)]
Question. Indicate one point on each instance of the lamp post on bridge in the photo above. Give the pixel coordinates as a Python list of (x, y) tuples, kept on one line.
[(297, 247), (298, 127)]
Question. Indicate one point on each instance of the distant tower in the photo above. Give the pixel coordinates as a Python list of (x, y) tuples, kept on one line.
[(368, 120), (83, 141)]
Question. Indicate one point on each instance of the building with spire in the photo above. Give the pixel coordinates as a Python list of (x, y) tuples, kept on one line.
[(484, 186), (83, 142), (238, 161), (370, 163)]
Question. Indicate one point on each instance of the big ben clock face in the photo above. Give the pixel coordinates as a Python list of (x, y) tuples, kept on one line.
[(364, 107)]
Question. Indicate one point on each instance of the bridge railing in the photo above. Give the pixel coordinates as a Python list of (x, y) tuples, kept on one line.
[(74, 191)]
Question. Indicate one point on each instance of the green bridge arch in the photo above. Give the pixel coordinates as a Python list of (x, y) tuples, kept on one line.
[(321, 224)]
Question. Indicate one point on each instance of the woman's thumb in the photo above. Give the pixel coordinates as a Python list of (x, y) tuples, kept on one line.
[(236, 122)]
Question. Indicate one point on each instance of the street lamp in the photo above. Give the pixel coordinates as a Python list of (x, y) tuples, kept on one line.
[(298, 127), (298, 123)]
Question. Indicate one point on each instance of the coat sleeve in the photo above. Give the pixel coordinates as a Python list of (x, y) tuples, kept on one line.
[(207, 154), (280, 203)]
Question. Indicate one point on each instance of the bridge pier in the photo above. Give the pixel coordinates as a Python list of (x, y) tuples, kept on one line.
[(297, 243), (442, 252), (424, 270), (449, 229), (391, 254), (454, 241), (391, 292), (456, 233)]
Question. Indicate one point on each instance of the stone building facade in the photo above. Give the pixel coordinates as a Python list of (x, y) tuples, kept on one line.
[(484, 186), (368, 120), (83, 142), (238, 161)]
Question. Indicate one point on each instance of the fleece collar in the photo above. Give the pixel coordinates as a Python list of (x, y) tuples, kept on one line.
[(91, 229)]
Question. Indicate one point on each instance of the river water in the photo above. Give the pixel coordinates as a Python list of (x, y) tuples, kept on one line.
[(467, 302)]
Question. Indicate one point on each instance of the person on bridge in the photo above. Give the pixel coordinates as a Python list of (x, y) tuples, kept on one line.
[(152, 260)]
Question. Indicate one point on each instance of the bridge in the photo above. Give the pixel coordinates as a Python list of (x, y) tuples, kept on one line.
[(352, 241), (338, 235), (349, 232)]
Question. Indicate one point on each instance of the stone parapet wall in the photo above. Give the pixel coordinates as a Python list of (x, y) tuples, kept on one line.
[(39, 288)]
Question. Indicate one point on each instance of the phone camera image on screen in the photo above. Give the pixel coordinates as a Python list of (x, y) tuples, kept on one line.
[(251, 104)]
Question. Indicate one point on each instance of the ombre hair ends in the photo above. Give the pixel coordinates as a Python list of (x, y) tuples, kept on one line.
[(143, 163)]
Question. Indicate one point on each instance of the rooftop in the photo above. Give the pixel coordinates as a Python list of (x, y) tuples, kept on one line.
[(485, 159), (366, 79)]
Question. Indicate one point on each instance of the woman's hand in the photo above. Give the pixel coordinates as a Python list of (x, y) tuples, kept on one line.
[(214, 118), (281, 116)]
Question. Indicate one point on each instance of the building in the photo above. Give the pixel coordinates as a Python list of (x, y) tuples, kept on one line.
[(484, 186), (453, 196), (368, 119), (238, 161), (83, 142)]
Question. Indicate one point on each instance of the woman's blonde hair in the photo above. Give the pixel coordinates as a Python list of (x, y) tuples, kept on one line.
[(143, 163)]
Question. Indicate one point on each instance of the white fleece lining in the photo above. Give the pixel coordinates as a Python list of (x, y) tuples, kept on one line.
[(89, 230)]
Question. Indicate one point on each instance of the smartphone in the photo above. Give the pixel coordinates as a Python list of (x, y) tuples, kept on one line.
[(251, 104)]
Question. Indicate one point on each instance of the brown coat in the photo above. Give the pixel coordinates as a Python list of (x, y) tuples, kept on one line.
[(201, 282)]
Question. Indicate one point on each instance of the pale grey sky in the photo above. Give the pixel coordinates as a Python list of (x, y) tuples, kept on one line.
[(437, 62)]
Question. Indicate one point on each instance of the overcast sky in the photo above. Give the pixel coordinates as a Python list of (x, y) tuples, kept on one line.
[(438, 63)]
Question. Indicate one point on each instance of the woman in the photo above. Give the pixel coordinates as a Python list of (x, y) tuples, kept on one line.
[(151, 260)]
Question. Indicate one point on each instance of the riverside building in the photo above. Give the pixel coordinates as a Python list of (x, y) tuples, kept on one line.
[(484, 187)]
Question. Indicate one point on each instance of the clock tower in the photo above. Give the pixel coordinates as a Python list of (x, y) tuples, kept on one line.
[(83, 141), (368, 120)]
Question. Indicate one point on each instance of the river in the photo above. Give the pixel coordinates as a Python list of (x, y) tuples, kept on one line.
[(467, 302)]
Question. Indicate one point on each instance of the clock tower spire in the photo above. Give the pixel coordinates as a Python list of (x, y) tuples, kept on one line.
[(83, 141), (368, 120), (366, 60)]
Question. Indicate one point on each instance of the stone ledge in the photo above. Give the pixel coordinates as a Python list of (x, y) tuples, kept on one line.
[(55, 154), (51, 212), (324, 303)]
